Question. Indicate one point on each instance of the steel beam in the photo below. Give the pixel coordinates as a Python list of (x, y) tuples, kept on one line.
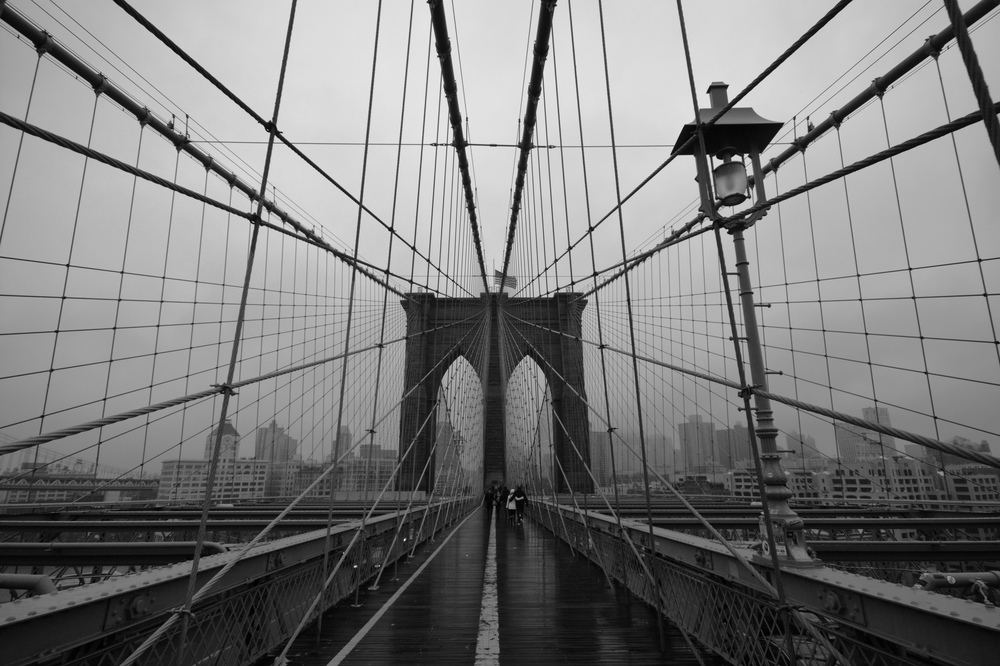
[(906, 551), (160, 526), (113, 553)]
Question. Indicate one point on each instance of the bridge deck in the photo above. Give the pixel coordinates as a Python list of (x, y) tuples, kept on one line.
[(550, 608)]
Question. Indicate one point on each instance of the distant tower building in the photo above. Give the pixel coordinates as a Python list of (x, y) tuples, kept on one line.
[(880, 415), (732, 446), (697, 441), (600, 457), (803, 445), (230, 442), (274, 445), (345, 440), (855, 443)]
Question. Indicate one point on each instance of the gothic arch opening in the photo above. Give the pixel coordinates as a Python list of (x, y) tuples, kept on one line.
[(458, 430), (528, 424)]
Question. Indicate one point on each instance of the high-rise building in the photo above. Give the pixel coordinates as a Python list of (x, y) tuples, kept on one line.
[(230, 442), (732, 447), (855, 443), (803, 445), (345, 440), (881, 415), (600, 457), (697, 444), (274, 445)]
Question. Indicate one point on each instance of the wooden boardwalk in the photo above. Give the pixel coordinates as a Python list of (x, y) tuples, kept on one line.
[(549, 608)]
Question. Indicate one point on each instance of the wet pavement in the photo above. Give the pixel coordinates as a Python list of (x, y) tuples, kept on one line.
[(549, 607)]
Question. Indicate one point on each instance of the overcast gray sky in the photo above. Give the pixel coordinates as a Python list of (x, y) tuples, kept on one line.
[(324, 110)]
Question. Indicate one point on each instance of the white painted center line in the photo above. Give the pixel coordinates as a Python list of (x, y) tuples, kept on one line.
[(488, 643)]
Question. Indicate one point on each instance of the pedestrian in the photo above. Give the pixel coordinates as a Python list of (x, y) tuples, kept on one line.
[(501, 500), (520, 501), (489, 499), (511, 508)]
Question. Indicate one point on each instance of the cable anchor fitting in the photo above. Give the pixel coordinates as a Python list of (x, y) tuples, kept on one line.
[(930, 49)]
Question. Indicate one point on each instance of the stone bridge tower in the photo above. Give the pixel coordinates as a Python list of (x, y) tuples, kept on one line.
[(441, 330)]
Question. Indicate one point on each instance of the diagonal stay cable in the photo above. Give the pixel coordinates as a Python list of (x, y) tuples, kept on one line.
[(205, 589), (282, 658), (186, 613), (928, 442), (805, 37), (95, 155), (21, 444), (697, 514), (871, 160), (169, 43)]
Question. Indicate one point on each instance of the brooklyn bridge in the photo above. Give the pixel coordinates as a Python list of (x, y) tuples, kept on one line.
[(295, 296)]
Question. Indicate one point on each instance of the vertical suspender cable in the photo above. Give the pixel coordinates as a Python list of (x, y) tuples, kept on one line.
[(420, 160), (443, 44), (593, 264), (350, 304), (185, 612), (541, 51), (628, 308)]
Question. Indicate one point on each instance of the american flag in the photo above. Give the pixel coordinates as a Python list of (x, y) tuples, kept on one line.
[(508, 281)]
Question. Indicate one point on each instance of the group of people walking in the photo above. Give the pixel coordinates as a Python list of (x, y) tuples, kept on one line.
[(503, 498)]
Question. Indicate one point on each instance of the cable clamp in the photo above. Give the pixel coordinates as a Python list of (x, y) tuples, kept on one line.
[(271, 128), (877, 88), (102, 84), (181, 611), (748, 391), (225, 389), (930, 49)]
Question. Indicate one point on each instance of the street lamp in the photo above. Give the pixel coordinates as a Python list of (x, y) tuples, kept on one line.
[(742, 132), (731, 182)]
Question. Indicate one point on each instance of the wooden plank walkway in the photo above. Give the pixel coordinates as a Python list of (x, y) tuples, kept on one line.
[(551, 608)]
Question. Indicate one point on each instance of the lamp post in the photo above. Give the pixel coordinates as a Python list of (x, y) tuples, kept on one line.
[(742, 132)]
